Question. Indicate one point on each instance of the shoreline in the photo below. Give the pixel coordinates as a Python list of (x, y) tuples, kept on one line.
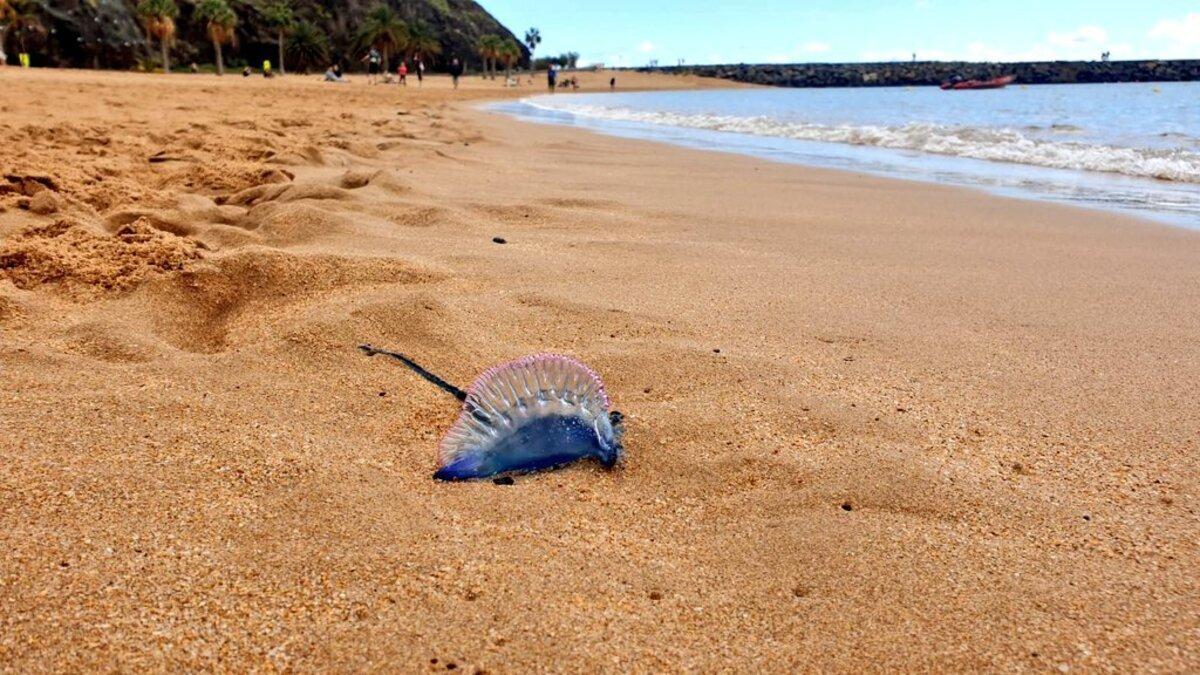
[(861, 434), (1160, 200)]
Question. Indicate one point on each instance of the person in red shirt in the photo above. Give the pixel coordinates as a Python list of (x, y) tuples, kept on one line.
[(402, 71)]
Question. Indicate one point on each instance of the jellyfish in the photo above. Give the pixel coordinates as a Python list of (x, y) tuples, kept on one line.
[(531, 414)]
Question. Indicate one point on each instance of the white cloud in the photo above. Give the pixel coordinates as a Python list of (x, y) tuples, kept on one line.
[(800, 53), (1082, 36), (922, 4), (1084, 43), (874, 55), (1181, 36), (646, 47)]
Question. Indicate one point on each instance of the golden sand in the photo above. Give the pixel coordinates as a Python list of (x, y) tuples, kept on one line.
[(872, 424)]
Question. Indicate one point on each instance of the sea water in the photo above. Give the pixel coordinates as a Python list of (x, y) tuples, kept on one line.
[(1128, 147)]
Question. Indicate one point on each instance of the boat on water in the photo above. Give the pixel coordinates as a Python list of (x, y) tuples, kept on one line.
[(994, 83)]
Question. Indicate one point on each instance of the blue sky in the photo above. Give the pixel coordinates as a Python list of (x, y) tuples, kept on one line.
[(632, 32)]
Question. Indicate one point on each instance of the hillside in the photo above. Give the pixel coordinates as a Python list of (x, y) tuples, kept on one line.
[(106, 33)]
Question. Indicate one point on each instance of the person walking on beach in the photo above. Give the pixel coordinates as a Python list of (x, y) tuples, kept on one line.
[(420, 67), (551, 77), (456, 71), (373, 60), (402, 71), (612, 84)]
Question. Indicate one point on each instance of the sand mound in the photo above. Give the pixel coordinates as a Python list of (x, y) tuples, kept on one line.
[(10, 306), (354, 179), (27, 185), (419, 216), (290, 192), (84, 261), (309, 155), (34, 193), (292, 224), (223, 177), (108, 341), (199, 308)]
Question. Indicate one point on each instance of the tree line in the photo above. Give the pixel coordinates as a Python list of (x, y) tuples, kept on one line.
[(564, 60), (302, 40)]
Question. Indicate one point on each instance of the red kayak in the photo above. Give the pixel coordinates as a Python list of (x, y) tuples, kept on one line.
[(994, 83)]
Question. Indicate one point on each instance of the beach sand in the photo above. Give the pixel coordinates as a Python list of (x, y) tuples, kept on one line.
[(873, 424)]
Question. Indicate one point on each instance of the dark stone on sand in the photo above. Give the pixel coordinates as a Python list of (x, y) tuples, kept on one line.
[(504, 480), (499, 240), (846, 506)]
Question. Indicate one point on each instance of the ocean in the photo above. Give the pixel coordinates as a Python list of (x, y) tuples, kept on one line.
[(1128, 147)]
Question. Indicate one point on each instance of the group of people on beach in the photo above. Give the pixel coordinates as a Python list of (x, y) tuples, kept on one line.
[(376, 74), (571, 83)]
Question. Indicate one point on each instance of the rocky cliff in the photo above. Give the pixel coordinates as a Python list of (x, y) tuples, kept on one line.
[(107, 34), (935, 72)]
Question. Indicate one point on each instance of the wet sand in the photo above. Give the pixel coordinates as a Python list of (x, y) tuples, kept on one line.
[(872, 424)]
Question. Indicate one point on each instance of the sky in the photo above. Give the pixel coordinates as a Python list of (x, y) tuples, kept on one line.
[(634, 32)]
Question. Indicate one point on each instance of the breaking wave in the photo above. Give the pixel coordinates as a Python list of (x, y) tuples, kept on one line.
[(993, 144)]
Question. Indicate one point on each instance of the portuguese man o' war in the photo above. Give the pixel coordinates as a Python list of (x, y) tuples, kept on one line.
[(537, 412)]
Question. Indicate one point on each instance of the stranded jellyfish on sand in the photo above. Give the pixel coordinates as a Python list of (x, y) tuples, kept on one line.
[(537, 412)]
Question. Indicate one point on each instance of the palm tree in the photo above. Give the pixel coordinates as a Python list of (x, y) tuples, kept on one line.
[(533, 38), (383, 29), (308, 46), (510, 54), (24, 17), (489, 49), (158, 18), (279, 16), (422, 41), (483, 47), (221, 21)]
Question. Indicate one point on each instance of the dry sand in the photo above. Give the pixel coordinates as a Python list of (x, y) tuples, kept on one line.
[(873, 424)]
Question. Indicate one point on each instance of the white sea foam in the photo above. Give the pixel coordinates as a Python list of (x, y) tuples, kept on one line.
[(994, 144)]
